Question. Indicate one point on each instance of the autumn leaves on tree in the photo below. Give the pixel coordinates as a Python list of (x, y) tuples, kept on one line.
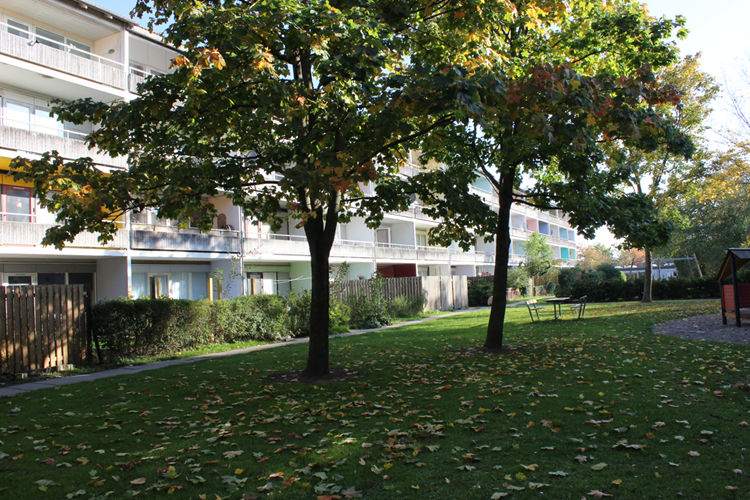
[(296, 105)]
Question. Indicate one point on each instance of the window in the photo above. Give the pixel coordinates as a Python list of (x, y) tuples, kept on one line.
[(79, 49), (18, 28), (19, 279), (50, 39), (16, 203), (17, 114)]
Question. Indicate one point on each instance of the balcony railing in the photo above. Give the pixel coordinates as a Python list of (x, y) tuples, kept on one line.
[(39, 139), (183, 240), (31, 234), (66, 58)]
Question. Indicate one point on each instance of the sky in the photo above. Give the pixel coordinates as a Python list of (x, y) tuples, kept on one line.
[(718, 29)]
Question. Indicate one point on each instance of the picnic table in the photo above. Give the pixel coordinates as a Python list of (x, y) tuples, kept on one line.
[(557, 303)]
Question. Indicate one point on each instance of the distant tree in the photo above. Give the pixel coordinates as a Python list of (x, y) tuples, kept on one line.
[(590, 256), (660, 173), (713, 213), (540, 258)]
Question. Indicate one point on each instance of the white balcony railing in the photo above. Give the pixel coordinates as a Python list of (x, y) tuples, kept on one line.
[(19, 233), (66, 58), (35, 139)]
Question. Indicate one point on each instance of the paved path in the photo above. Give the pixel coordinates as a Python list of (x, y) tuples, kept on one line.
[(127, 370)]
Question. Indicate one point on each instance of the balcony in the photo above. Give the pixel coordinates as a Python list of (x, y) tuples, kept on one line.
[(395, 251), (151, 237), (31, 138), (31, 234), (71, 60), (413, 212)]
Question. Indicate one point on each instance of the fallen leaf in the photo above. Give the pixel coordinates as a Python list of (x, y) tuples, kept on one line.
[(599, 466), (598, 494)]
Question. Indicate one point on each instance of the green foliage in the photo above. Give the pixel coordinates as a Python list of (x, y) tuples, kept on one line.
[(370, 312), (615, 290), (565, 279), (518, 277), (539, 255), (480, 291), (608, 272), (405, 307), (299, 314), (143, 327)]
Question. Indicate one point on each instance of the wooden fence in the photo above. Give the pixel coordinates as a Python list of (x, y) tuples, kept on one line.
[(43, 327), (441, 293)]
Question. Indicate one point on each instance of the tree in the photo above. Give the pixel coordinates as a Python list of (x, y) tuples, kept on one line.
[(539, 255), (713, 212), (276, 104), (566, 80), (590, 256), (660, 173)]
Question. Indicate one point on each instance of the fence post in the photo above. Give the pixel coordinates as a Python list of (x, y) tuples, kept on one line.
[(4, 365), (87, 320)]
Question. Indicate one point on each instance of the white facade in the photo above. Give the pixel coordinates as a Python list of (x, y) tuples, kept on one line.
[(73, 49)]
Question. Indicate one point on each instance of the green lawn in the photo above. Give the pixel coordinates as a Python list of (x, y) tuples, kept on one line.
[(599, 404)]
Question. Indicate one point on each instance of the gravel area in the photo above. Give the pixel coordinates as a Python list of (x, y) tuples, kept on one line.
[(707, 327)]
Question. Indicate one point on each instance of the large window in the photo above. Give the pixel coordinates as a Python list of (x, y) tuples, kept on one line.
[(60, 42), (34, 114), (17, 204)]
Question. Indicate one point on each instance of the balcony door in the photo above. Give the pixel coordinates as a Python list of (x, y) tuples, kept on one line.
[(17, 205)]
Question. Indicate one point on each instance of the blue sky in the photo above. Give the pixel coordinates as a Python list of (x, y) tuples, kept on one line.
[(718, 29)]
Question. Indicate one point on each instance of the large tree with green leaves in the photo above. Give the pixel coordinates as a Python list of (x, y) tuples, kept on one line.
[(275, 104), (570, 77)]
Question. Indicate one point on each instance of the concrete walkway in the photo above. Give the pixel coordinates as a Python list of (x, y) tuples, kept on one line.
[(128, 370)]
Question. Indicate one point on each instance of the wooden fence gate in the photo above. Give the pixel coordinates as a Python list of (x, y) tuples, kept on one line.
[(43, 327)]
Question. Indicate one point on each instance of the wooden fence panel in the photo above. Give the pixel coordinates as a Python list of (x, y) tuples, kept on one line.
[(42, 326)]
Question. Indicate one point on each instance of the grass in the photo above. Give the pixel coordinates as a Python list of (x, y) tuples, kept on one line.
[(599, 404), (141, 360)]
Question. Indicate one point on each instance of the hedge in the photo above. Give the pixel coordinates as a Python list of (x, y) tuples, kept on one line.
[(614, 290), (146, 327)]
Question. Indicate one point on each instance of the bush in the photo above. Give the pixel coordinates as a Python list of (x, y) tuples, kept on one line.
[(404, 307), (480, 291), (299, 314), (146, 327), (367, 313), (617, 290), (518, 277), (609, 272), (565, 280), (252, 317)]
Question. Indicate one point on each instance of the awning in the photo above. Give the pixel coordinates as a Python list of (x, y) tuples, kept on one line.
[(741, 254)]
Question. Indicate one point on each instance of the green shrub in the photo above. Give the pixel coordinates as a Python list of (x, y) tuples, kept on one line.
[(252, 317), (368, 313), (480, 290), (404, 307), (299, 314), (550, 288), (565, 279), (609, 272), (146, 327), (614, 290), (518, 277)]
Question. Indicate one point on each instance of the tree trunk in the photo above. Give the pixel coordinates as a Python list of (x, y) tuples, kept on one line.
[(494, 338), (320, 241), (647, 277)]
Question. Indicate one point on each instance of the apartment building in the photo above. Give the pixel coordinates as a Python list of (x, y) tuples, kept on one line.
[(69, 49)]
